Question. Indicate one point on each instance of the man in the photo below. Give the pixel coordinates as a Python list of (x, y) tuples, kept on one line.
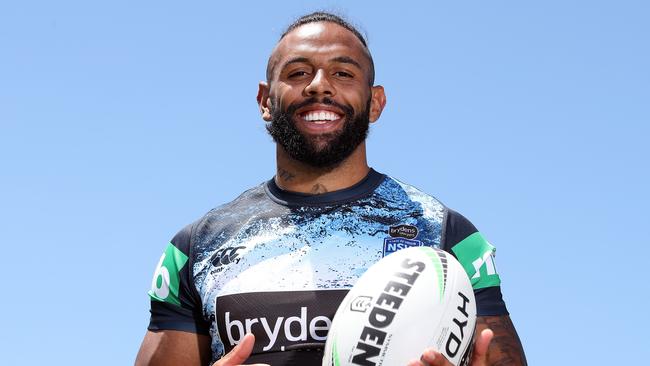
[(277, 261)]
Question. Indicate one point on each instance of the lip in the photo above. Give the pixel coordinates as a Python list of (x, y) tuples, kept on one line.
[(318, 127), (319, 107)]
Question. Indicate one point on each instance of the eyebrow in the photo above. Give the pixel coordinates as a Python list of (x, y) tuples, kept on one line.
[(295, 60), (346, 60)]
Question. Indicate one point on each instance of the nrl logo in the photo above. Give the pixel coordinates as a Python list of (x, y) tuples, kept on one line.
[(403, 231), (361, 304)]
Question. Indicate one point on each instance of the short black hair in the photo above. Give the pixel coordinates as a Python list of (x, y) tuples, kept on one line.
[(322, 16)]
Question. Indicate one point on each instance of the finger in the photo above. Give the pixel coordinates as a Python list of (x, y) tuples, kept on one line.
[(431, 357), (481, 347), (240, 353)]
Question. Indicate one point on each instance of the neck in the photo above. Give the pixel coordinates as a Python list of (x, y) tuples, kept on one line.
[(296, 176)]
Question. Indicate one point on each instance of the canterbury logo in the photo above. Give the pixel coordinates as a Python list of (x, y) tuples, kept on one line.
[(225, 256)]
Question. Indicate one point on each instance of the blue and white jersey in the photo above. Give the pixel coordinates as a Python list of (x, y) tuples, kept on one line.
[(278, 263)]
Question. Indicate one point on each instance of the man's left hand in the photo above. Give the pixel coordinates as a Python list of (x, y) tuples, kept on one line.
[(431, 357)]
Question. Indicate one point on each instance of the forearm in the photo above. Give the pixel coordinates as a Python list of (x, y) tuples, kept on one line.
[(172, 348), (505, 348)]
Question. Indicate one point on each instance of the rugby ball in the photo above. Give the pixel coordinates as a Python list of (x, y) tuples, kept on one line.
[(409, 300)]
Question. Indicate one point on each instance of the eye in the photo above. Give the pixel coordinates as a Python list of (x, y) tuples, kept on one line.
[(343, 74), (298, 73)]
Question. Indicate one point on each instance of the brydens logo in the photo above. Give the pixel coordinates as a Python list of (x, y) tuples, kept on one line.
[(281, 330), (403, 231), (279, 319)]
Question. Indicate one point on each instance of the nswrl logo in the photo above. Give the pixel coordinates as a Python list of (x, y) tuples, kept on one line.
[(392, 245)]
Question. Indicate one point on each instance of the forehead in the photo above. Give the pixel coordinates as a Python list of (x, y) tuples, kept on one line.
[(319, 40)]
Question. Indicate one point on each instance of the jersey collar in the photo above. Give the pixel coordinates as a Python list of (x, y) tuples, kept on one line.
[(361, 189)]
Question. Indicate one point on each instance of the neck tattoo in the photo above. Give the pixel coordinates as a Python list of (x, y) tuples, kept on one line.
[(318, 189), (285, 175)]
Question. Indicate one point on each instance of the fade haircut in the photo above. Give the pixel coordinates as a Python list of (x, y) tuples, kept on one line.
[(321, 16)]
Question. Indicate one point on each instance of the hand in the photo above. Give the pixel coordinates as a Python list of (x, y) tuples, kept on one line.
[(239, 354), (430, 357)]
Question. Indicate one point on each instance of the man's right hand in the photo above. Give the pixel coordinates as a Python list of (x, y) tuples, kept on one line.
[(173, 348), (239, 354)]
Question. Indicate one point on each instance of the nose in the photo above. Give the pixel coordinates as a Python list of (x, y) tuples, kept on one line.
[(320, 85)]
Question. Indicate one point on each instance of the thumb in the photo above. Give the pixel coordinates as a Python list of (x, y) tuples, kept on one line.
[(239, 354), (481, 347)]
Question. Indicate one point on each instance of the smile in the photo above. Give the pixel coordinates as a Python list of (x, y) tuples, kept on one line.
[(320, 116)]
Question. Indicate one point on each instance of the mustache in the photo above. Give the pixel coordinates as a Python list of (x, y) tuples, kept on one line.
[(349, 112)]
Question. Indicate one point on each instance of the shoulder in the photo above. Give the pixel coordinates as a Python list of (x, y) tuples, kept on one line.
[(230, 214), (457, 228), (220, 218), (245, 204), (472, 250), (394, 189), (217, 230)]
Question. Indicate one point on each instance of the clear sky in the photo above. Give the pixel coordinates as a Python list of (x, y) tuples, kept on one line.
[(123, 121)]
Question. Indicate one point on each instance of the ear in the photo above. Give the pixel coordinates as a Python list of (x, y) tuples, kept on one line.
[(264, 101), (377, 102)]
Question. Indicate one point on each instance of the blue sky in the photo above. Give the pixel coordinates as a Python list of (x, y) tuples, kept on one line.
[(120, 122)]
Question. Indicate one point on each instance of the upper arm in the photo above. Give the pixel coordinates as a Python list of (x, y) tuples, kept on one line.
[(178, 334), (172, 347), (505, 348), (476, 255)]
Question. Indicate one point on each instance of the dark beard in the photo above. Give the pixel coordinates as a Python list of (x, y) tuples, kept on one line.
[(325, 151)]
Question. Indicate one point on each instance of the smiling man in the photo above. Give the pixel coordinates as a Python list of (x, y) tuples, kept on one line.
[(259, 279)]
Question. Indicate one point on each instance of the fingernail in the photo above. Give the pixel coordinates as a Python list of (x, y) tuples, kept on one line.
[(430, 354)]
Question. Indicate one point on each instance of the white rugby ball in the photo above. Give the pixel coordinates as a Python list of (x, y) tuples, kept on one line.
[(409, 300)]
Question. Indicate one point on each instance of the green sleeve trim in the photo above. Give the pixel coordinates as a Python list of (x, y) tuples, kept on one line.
[(166, 280), (476, 256)]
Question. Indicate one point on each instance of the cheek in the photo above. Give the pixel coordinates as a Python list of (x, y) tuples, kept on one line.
[(284, 96), (358, 101)]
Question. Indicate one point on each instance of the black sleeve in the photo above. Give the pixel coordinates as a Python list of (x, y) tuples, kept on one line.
[(175, 303), (476, 255)]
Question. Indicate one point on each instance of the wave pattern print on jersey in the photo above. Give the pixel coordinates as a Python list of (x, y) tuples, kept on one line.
[(279, 270)]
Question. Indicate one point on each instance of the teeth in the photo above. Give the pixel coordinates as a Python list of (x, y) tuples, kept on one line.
[(320, 116)]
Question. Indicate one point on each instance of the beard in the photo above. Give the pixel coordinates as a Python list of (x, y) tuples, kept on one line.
[(324, 151)]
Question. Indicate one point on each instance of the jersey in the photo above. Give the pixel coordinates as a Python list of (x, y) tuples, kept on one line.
[(278, 263)]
